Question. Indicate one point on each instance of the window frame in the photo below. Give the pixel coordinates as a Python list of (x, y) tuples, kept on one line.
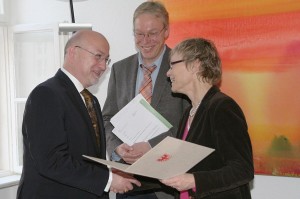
[(5, 111), (4, 15), (9, 135), (14, 141)]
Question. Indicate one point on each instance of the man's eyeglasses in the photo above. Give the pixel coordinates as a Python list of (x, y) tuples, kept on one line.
[(150, 35), (175, 62), (99, 57)]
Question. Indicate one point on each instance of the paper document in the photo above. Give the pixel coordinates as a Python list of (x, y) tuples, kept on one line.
[(169, 158), (138, 121)]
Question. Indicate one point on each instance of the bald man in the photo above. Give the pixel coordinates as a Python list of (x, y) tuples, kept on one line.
[(57, 130)]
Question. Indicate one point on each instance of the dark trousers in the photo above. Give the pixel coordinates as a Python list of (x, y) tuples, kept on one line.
[(146, 191), (140, 195)]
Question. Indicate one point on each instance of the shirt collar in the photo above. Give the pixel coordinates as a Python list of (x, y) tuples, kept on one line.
[(75, 81)]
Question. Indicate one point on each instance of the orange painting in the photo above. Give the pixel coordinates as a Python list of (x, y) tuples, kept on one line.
[(259, 43)]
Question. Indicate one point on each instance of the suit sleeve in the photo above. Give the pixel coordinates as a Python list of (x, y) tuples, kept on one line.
[(233, 147), (48, 143), (110, 108)]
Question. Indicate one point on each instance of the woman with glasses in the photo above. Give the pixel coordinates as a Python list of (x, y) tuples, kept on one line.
[(214, 120)]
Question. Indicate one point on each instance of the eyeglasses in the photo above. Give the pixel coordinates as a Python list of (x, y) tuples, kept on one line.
[(175, 62), (150, 35), (99, 57)]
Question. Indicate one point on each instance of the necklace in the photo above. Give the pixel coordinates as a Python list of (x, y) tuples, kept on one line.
[(193, 110)]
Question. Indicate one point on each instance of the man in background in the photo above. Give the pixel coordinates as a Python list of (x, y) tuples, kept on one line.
[(127, 78), (58, 128)]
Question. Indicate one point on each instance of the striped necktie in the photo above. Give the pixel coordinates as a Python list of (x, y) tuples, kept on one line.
[(146, 86)]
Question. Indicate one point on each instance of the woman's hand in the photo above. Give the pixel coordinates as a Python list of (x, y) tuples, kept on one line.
[(181, 183)]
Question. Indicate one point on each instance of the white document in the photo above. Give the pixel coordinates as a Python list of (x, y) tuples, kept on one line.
[(169, 158), (138, 121)]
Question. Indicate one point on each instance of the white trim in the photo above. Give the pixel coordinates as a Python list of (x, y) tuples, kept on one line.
[(12, 123), (4, 16), (15, 30), (5, 131), (9, 181), (53, 27), (4, 173)]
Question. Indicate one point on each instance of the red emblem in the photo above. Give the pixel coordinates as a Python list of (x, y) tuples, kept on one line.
[(164, 157)]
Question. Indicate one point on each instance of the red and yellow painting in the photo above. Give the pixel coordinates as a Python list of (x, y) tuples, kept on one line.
[(259, 43)]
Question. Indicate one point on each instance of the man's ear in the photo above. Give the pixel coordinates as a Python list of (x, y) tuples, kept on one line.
[(71, 51), (167, 32)]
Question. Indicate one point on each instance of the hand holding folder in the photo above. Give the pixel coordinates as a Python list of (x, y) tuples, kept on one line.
[(169, 158)]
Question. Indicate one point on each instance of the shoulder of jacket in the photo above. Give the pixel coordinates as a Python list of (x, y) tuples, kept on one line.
[(129, 59)]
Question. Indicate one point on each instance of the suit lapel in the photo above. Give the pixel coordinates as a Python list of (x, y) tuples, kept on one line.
[(131, 71), (162, 81), (101, 128), (76, 99)]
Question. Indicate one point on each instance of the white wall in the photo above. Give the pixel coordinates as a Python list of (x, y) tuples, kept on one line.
[(113, 18), (272, 187), (8, 192)]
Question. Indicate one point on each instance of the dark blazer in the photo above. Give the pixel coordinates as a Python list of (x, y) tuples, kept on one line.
[(121, 90), (219, 123), (57, 131)]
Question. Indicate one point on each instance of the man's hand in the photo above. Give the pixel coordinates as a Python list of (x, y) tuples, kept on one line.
[(141, 148), (130, 154), (122, 184), (127, 153)]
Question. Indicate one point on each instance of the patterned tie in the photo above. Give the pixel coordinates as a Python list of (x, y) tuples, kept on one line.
[(146, 86), (88, 97)]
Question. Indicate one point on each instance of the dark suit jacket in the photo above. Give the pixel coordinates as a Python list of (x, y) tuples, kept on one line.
[(220, 124), (121, 90), (57, 131)]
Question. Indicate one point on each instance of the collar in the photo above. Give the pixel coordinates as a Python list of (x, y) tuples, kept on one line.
[(75, 81)]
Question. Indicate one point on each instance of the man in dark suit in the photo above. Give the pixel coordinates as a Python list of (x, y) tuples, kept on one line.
[(57, 130), (151, 29)]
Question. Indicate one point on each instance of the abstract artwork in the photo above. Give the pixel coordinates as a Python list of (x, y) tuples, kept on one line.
[(259, 43)]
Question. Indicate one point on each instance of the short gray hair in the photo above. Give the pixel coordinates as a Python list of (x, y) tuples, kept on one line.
[(154, 8), (206, 53)]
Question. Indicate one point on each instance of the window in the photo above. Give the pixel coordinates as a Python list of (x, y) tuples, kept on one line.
[(4, 104), (36, 58), (1, 7), (3, 10), (5, 113), (31, 56)]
